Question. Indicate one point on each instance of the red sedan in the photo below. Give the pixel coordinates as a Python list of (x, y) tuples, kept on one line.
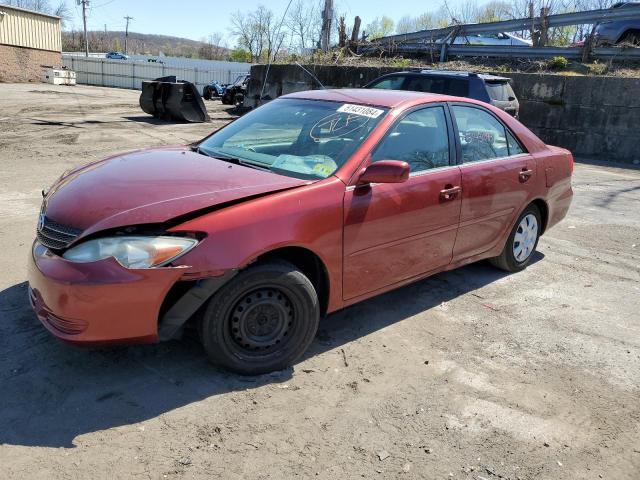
[(313, 202)]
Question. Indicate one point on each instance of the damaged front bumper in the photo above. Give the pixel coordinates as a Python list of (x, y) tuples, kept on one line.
[(98, 302)]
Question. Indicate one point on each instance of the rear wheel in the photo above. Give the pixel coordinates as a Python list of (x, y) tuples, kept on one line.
[(206, 94), (227, 99), (262, 320), (522, 242), (631, 37)]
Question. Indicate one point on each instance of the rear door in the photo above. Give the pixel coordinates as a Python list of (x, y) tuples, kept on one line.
[(498, 178), (394, 232)]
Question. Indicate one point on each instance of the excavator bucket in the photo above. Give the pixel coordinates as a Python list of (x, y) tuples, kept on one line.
[(169, 99)]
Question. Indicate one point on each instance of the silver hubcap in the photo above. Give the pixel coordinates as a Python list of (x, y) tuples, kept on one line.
[(525, 239)]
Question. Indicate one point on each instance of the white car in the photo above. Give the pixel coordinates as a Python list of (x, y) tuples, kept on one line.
[(492, 39)]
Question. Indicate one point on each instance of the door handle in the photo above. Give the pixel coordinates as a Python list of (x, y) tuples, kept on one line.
[(525, 174), (450, 192)]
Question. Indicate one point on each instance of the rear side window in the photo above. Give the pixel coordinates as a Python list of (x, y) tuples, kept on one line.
[(514, 146), (482, 136), (390, 83), (500, 91), (441, 85)]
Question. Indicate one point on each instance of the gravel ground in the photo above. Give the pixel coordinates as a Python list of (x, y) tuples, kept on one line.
[(470, 374)]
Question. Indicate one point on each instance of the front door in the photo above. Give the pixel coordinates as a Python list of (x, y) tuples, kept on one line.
[(497, 176), (393, 232)]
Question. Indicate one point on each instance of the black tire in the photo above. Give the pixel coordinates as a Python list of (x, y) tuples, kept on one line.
[(206, 94), (507, 260), (227, 99), (263, 320)]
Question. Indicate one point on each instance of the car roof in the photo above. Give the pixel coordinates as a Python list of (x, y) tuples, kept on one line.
[(452, 73), (366, 96)]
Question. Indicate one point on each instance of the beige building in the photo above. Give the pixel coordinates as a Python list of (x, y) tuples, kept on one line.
[(28, 41)]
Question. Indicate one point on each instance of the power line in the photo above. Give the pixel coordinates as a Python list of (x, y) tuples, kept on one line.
[(103, 4)]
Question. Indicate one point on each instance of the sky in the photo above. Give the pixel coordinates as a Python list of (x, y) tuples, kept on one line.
[(196, 19)]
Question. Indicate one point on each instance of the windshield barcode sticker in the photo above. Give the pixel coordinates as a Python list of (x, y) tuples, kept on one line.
[(360, 110)]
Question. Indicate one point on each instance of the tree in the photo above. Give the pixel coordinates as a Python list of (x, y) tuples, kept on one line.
[(258, 32), (494, 11), (213, 47), (239, 55), (380, 27), (409, 24), (43, 6), (304, 22)]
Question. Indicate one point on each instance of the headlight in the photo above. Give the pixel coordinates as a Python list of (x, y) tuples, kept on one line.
[(132, 252)]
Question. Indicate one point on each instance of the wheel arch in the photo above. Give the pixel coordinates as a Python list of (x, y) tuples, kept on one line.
[(543, 207), (626, 32), (309, 263)]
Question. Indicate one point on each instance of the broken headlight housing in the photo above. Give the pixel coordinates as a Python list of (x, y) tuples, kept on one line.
[(132, 251)]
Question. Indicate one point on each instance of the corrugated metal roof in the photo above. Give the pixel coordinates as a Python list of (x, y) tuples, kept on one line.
[(24, 28), (3, 6)]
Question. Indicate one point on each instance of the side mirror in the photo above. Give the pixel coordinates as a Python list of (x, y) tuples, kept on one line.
[(385, 171)]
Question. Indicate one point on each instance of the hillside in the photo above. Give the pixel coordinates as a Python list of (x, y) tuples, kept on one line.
[(142, 43)]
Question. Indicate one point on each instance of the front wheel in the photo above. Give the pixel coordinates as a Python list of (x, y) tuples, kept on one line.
[(262, 320), (522, 242)]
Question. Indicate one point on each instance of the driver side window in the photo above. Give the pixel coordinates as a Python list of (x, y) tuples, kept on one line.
[(421, 139)]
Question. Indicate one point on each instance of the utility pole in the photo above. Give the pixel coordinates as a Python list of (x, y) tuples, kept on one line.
[(126, 33), (84, 3)]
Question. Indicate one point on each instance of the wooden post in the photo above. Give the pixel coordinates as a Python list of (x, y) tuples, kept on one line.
[(342, 33), (544, 26), (325, 33), (356, 30)]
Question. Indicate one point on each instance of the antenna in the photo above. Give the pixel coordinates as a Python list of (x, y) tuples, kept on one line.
[(312, 76), (264, 83)]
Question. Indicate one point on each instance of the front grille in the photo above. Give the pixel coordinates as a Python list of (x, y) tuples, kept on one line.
[(66, 325), (56, 236)]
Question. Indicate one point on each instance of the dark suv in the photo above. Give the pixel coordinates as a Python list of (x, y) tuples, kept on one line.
[(614, 32), (487, 88)]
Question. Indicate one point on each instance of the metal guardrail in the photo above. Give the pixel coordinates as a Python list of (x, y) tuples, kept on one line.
[(517, 51), (558, 20)]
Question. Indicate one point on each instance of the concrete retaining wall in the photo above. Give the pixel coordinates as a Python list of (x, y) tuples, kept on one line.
[(594, 117)]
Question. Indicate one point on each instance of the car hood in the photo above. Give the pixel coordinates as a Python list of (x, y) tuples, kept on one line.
[(153, 186)]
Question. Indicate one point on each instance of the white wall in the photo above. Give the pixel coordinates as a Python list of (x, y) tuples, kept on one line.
[(131, 73)]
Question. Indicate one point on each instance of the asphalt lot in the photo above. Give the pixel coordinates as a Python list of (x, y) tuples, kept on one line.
[(471, 374)]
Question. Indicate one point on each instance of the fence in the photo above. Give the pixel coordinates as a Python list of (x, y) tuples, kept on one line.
[(130, 74)]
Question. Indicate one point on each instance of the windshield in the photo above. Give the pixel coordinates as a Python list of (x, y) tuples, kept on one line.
[(239, 81), (298, 138)]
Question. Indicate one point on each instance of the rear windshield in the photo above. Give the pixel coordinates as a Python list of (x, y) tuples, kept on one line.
[(423, 83), (500, 91)]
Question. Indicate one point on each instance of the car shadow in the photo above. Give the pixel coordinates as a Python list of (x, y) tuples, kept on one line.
[(53, 392)]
